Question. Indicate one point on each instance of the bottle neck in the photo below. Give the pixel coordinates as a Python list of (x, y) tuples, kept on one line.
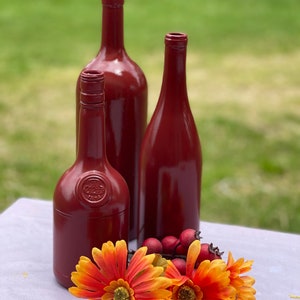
[(91, 133), (174, 75), (112, 25)]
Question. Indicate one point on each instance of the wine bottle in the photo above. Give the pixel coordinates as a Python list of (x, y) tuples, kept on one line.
[(126, 101), (171, 158), (91, 199)]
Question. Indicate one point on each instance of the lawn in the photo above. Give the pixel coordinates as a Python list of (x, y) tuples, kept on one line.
[(243, 71)]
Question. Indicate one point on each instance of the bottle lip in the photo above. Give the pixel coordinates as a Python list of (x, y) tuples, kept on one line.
[(178, 39), (113, 3), (91, 87), (92, 76)]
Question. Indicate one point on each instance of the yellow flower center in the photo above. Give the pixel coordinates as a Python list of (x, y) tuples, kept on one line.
[(186, 293), (121, 293)]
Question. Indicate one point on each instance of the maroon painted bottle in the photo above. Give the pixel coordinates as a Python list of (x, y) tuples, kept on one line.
[(171, 157), (126, 101), (91, 199)]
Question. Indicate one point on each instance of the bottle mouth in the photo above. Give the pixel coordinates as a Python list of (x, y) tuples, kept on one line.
[(176, 36), (92, 75), (91, 86), (176, 39), (92, 82), (113, 3)]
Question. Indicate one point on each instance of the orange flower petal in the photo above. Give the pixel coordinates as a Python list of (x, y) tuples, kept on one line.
[(146, 274), (80, 293), (138, 262), (173, 273), (157, 294), (141, 280), (85, 265), (192, 255), (103, 264), (121, 257), (152, 285), (213, 279), (113, 258), (84, 281)]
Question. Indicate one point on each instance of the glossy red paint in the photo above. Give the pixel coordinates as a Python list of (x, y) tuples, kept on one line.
[(91, 199), (171, 157), (126, 101)]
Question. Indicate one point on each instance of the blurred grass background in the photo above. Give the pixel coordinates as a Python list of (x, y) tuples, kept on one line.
[(243, 71)]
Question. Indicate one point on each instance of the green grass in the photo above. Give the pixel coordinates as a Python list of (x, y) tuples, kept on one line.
[(243, 71)]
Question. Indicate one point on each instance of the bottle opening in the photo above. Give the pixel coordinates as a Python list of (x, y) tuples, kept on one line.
[(113, 3), (176, 39), (91, 86), (92, 76)]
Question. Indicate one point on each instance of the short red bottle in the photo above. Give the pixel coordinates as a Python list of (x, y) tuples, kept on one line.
[(171, 158), (126, 101), (91, 199)]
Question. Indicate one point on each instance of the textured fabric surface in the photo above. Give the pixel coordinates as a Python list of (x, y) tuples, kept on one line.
[(26, 254)]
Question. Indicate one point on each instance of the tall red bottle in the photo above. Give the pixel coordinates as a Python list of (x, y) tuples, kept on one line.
[(126, 101), (91, 199), (171, 158)]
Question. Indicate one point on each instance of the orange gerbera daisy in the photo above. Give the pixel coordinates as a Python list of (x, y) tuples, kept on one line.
[(210, 280), (110, 278), (242, 284)]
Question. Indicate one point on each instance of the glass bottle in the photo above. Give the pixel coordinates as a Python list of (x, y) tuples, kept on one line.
[(126, 101), (171, 157), (91, 199)]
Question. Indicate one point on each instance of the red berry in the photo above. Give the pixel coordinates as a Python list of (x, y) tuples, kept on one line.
[(208, 252), (154, 245), (169, 244), (180, 250), (180, 264), (187, 236)]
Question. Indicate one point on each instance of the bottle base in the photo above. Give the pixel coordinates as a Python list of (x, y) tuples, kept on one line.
[(63, 280)]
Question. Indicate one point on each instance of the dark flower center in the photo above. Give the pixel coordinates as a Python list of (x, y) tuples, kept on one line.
[(186, 293), (121, 293)]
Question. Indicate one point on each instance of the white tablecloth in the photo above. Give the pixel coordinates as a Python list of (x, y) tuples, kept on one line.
[(26, 254)]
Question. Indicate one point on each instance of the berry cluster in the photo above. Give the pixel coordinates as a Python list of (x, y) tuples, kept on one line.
[(175, 249)]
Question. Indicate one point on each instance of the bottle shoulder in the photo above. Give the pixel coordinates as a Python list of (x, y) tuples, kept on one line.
[(116, 62), (121, 75), (171, 120), (91, 190), (165, 136)]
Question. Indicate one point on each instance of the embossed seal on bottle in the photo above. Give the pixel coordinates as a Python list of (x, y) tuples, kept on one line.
[(93, 189)]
